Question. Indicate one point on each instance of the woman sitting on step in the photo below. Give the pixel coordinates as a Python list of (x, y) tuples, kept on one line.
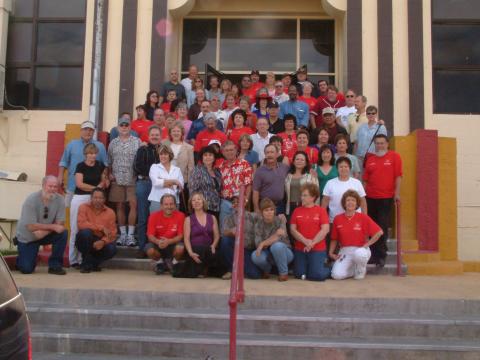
[(201, 238), (355, 232)]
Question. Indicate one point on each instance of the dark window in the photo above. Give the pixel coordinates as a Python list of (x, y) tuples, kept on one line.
[(263, 44), (317, 47), (45, 51), (456, 56), (199, 43)]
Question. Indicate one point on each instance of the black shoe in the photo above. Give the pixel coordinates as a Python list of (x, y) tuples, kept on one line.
[(372, 260), (380, 263), (76, 266), (96, 269), (57, 271), (85, 270), (160, 268)]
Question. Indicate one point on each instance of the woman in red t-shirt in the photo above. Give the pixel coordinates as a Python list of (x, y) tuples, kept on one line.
[(309, 226), (289, 136), (355, 232), (239, 120)]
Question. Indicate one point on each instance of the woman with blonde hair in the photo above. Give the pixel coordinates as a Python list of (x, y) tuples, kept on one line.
[(201, 237)]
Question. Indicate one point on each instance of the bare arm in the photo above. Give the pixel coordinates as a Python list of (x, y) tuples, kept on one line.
[(81, 185), (331, 251), (363, 205), (326, 201), (372, 240), (398, 182), (297, 236), (324, 229), (186, 241), (61, 172), (256, 201)]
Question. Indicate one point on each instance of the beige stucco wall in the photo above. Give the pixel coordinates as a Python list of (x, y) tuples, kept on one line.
[(466, 129)]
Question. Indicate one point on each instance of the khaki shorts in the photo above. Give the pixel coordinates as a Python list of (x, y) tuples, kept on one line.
[(121, 193)]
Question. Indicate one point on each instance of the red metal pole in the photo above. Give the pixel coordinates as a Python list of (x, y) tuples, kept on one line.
[(237, 293), (399, 237), (233, 331)]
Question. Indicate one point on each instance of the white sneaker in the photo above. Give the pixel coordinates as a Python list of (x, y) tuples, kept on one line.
[(360, 272), (130, 241), (122, 240)]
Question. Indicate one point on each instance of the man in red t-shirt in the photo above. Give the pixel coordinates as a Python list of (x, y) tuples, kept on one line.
[(329, 101), (210, 133), (255, 77), (164, 232), (141, 125), (382, 177), (248, 89)]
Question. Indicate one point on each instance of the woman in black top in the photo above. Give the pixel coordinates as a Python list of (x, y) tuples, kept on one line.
[(89, 174)]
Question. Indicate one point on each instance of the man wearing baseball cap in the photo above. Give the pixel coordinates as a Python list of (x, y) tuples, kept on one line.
[(73, 155), (331, 125)]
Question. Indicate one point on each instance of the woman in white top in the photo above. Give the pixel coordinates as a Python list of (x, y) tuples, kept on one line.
[(166, 178), (335, 188)]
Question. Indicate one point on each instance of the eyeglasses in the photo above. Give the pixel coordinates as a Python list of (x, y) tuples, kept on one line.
[(45, 212), (124, 125), (153, 95), (371, 113), (349, 96)]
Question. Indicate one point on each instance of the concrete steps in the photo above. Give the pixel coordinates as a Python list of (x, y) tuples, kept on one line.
[(194, 326), (266, 322)]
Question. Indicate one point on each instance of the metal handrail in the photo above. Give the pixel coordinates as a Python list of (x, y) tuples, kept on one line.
[(399, 237), (237, 293)]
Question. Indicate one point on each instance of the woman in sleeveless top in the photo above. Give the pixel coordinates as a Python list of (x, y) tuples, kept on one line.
[(201, 238)]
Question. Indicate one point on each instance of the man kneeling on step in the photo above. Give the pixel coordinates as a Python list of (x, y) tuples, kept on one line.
[(164, 232), (97, 232)]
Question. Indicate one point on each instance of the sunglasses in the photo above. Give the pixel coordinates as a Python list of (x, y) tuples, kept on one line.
[(371, 113), (349, 96), (124, 125), (45, 212)]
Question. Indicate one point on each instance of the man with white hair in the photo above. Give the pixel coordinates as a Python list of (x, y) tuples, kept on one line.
[(261, 138), (280, 96), (42, 223), (210, 133)]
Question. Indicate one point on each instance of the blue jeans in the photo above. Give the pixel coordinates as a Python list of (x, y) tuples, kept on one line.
[(250, 270), (278, 253), (27, 252), (225, 210), (312, 265), (92, 258), (142, 190)]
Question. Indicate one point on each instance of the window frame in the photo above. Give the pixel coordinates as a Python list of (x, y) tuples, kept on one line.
[(299, 63), (33, 64), (457, 68)]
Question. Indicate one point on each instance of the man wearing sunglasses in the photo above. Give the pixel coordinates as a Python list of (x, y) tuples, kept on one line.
[(42, 223)]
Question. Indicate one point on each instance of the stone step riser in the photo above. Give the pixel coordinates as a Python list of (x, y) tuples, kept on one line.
[(324, 327), (146, 265), (322, 305), (245, 349)]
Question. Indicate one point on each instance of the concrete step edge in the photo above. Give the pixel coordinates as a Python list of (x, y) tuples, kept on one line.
[(248, 316), (222, 339)]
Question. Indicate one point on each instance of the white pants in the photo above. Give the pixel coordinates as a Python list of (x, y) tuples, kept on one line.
[(74, 257), (352, 262)]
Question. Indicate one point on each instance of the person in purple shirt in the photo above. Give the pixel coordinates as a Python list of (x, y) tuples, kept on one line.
[(269, 180), (201, 237)]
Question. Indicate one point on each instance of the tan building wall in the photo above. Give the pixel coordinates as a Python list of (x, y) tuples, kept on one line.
[(23, 134)]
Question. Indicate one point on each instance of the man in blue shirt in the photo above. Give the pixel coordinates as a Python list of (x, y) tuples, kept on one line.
[(294, 107), (73, 155)]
